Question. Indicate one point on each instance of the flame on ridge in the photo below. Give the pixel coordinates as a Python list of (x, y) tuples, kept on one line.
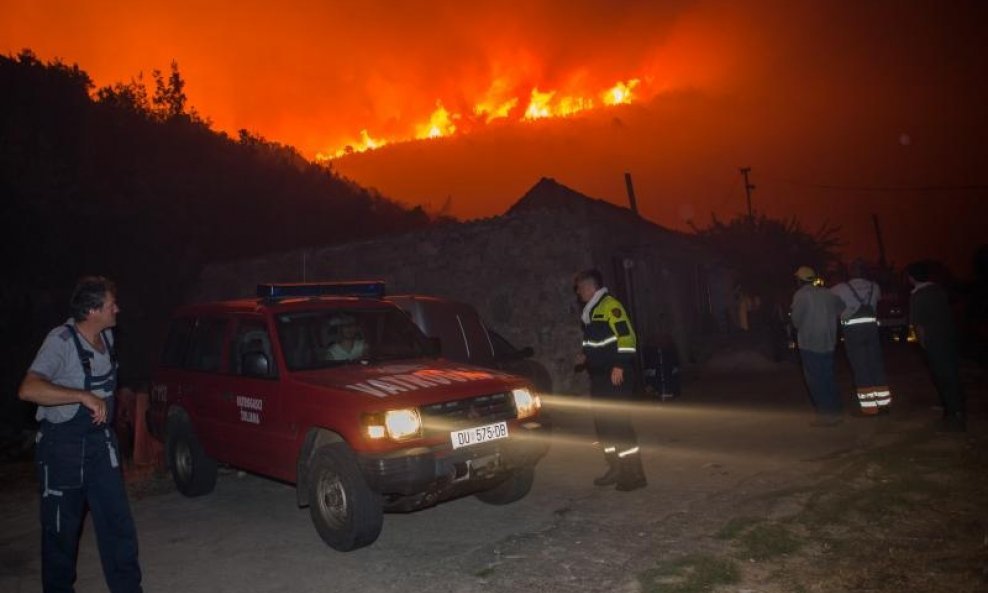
[(497, 105), (440, 124)]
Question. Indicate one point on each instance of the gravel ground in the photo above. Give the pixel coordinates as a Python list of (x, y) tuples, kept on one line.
[(743, 496)]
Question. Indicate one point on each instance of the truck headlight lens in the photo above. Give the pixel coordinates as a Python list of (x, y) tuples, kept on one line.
[(394, 424), (403, 424), (526, 403)]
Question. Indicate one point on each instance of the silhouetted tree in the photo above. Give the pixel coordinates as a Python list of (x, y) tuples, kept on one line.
[(169, 95), (764, 252), (132, 96), (141, 189)]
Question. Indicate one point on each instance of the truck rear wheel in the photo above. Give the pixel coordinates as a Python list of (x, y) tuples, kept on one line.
[(194, 472), (345, 511), (513, 489)]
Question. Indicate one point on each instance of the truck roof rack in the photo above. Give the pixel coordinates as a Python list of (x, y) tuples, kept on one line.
[(371, 289)]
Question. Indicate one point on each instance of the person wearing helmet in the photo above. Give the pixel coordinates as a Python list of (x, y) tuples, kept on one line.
[(814, 315), (859, 322)]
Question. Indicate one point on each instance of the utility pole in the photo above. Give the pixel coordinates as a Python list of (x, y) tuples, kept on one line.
[(747, 190), (631, 193)]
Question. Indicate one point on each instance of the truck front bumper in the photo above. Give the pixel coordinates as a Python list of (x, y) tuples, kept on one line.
[(410, 479)]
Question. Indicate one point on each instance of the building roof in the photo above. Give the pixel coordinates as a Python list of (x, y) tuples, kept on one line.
[(549, 194)]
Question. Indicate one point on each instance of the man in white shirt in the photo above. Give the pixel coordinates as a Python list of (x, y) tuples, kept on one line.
[(73, 380), (350, 344), (859, 321)]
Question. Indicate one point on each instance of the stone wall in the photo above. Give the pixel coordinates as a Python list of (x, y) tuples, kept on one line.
[(516, 269)]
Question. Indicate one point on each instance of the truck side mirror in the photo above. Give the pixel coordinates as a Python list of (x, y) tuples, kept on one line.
[(255, 364)]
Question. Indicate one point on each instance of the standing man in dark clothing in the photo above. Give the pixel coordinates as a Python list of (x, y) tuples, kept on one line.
[(814, 315), (609, 347), (861, 340), (930, 315), (73, 379)]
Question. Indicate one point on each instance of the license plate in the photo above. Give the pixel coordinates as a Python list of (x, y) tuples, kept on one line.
[(479, 434)]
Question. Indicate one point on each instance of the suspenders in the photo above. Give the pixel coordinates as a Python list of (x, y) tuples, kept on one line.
[(106, 381), (865, 313), (861, 301)]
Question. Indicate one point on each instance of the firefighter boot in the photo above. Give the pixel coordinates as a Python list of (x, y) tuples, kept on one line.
[(613, 471), (632, 475)]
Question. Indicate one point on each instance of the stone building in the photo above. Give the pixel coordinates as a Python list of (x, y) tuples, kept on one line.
[(517, 269)]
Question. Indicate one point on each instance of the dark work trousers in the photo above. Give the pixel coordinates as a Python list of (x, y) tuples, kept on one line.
[(818, 370), (943, 360), (612, 418), (78, 466), (864, 352)]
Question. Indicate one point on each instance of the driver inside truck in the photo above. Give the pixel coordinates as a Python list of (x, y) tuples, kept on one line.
[(345, 339)]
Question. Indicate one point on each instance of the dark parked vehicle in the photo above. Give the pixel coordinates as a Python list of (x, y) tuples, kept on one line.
[(893, 317), (464, 337)]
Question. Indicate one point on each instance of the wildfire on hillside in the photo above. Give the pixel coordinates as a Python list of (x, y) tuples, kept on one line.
[(500, 102)]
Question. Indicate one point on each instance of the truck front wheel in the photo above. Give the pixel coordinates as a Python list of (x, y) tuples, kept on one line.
[(345, 511)]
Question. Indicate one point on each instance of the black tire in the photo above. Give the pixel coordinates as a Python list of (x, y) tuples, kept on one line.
[(193, 471), (345, 511), (513, 489)]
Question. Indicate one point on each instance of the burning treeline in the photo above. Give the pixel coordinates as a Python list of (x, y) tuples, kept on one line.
[(502, 102)]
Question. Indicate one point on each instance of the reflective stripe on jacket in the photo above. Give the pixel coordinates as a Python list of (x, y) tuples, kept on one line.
[(608, 339)]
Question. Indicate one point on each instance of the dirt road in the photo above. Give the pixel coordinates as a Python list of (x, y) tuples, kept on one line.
[(743, 496)]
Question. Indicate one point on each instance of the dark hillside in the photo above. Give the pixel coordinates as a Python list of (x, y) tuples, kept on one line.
[(128, 182)]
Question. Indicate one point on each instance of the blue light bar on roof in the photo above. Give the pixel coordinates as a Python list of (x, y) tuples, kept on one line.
[(371, 289)]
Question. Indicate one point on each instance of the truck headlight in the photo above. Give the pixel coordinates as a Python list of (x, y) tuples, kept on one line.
[(403, 424), (526, 403), (395, 424)]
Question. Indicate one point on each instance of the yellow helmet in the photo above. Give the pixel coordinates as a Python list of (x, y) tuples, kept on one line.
[(806, 274)]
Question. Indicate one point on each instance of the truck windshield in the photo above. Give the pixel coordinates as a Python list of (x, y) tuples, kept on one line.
[(332, 337)]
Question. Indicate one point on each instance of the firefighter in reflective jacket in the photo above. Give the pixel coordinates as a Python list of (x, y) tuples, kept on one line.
[(609, 356)]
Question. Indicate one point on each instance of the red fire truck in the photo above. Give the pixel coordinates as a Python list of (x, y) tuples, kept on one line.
[(332, 388)]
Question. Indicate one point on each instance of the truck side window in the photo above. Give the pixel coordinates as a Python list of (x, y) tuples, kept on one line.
[(250, 337), (503, 349), (177, 342), (206, 347)]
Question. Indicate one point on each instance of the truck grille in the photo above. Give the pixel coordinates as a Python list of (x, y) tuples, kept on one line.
[(462, 413)]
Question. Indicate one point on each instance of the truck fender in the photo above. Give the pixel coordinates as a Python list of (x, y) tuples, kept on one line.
[(314, 439)]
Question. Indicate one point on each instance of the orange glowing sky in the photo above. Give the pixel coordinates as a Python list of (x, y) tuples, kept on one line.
[(881, 94)]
